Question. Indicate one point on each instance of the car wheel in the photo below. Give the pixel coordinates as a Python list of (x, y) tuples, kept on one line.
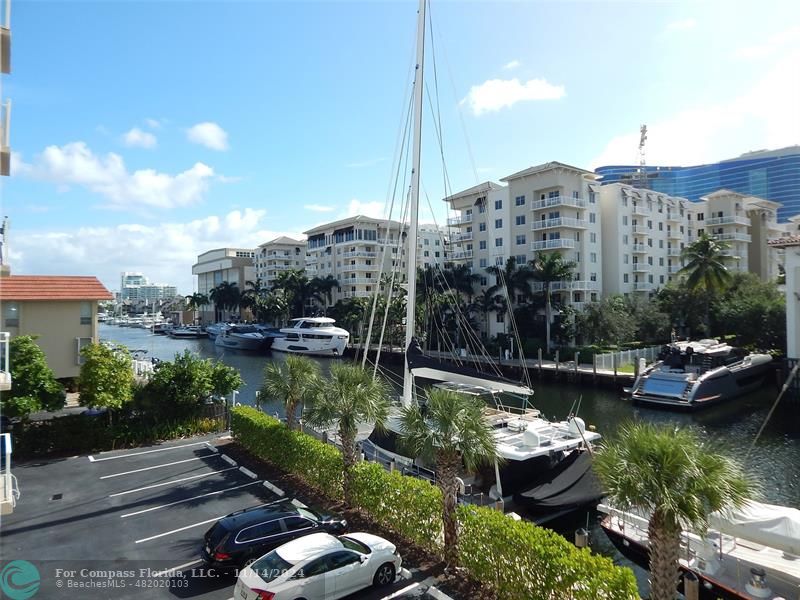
[(384, 575), (248, 562)]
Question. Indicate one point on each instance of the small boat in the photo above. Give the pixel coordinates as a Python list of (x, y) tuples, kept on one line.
[(161, 328), (312, 335), (214, 330), (748, 554), (240, 337), (187, 332), (691, 375)]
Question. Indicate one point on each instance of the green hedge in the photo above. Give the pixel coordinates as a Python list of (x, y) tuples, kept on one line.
[(522, 561), (80, 434), (320, 465)]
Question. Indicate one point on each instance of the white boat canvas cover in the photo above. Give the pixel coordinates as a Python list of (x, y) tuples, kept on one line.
[(766, 524)]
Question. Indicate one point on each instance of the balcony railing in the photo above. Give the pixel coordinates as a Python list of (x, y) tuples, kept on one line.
[(462, 220), (674, 217), (641, 230), (552, 244), (566, 286), (728, 221), (461, 237), (674, 234), (5, 368), (673, 269), (673, 251), (359, 254), (639, 249), (358, 268), (641, 210), (461, 255), (643, 286), (733, 237), (642, 268), (558, 201), (357, 294), (358, 280), (560, 222)]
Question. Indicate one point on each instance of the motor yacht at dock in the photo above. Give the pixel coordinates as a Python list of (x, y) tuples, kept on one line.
[(312, 335)]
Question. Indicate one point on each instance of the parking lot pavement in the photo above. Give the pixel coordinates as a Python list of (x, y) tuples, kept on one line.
[(129, 524)]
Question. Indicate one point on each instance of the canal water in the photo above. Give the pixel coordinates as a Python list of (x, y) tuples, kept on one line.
[(774, 462)]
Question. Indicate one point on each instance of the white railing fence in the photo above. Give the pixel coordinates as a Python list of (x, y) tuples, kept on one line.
[(625, 357)]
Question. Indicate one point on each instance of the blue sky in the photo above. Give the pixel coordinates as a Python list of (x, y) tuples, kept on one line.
[(145, 133)]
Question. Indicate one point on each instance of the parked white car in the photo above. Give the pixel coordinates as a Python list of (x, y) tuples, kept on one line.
[(320, 566)]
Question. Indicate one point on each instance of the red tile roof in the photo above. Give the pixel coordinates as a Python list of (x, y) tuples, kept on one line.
[(52, 287), (792, 240)]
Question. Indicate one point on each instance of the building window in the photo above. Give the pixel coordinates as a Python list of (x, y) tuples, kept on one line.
[(484, 281), (592, 217), (624, 278), (520, 219), (624, 219), (11, 314), (498, 223), (86, 313), (498, 204), (482, 244), (661, 226), (520, 240), (593, 237), (519, 200), (592, 197), (498, 242), (521, 259), (592, 276), (482, 263), (625, 239), (593, 257), (624, 201), (649, 224), (501, 317), (625, 259), (481, 226)]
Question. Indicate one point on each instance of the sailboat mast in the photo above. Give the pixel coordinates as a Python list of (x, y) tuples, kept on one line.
[(411, 257)]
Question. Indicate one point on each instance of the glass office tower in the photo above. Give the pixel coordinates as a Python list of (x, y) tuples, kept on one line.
[(770, 174)]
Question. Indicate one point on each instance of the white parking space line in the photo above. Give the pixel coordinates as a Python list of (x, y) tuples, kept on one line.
[(166, 533), (155, 485), (405, 590), (93, 459), (152, 508), (176, 569), (177, 462)]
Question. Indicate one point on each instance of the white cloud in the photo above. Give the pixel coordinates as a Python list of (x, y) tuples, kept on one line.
[(318, 207), (494, 94), (368, 209), (76, 164), (772, 44), (680, 25), (208, 134), (764, 116), (164, 252), (153, 123), (365, 163), (138, 138), (511, 65)]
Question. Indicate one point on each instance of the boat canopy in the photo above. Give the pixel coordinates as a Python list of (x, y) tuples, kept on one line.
[(571, 485), (767, 524), (426, 367)]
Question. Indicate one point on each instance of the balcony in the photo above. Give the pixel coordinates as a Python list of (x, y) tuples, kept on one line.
[(729, 221), (673, 252), (461, 237), (357, 294), (558, 201), (641, 210), (639, 249), (642, 268), (643, 286), (278, 267), (567, 286), (559, 222), (674, 234), (461, 255), (552, 244), (641, 230), (349, 268), (5, 368), (311, 260), (733, 237), (462, 220), (359, 254), (358, 281), (673, 270), (674, 217)]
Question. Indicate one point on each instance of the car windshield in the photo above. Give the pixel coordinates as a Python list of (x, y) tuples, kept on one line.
[(271, 566), (353, 544)]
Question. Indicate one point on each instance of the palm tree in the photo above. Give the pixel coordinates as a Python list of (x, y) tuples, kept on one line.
[(549, 267), (705, 268), (225, 297), (451, 430), (252, 293), (348, 397), (512, 278), (487, 302), (670, 475), (297, 287), (195, 302), (322, 290), (290, 383)]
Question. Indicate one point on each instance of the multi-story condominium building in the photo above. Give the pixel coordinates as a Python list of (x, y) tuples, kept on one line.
[(432, 245), (478, 235), (137, 288), (351, 251), (773, 174), (234, 265), (60, 310), (279, 255)]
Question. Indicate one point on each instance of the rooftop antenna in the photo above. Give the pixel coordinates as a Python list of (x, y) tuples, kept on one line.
[(641, 174)]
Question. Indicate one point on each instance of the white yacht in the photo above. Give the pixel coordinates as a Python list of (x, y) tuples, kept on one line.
[(312, 335), (240, 337)]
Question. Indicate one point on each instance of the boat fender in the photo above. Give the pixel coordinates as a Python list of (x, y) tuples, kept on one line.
[(577, 426)]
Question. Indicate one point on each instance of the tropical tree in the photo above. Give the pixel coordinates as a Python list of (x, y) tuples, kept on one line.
[(349, 396), (226, 297), (321, 290), (253, 291), (487, 301), (513, 278), (548, 268), (106, 377), (678, 480), (271, 307), (607, 322), (291, 383), (297, 289), (705, 268), (33, 385), (450, 429), (195, 302)]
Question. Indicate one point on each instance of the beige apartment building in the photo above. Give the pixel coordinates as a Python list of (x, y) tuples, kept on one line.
[(351, 251), (234, 265), (279, 255), (789, 245), (60, 310)]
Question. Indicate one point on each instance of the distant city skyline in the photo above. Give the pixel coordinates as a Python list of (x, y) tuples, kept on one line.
[(139, 144)]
